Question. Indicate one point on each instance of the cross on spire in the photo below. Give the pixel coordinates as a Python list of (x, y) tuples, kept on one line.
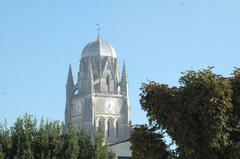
[(98, 29)]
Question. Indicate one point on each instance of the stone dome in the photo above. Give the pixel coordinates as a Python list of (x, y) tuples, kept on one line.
[(99, 47)]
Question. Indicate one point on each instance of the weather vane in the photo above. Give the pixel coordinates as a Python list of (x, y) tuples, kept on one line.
[(98, 29)]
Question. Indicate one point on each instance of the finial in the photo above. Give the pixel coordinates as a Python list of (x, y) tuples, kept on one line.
[(124, 71), (124, 63), (98, 29), (70, 77)]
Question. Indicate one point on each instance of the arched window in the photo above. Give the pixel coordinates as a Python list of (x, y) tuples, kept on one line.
[(118, 89), (99, 124), (117, 131), (108, 128)]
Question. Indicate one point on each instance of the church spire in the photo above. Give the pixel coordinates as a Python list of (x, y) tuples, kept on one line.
[(69, 95), (70, 77), (124, 81)]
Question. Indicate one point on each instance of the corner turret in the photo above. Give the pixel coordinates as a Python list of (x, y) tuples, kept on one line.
[(69, 94), (70, 83), (124, 81)]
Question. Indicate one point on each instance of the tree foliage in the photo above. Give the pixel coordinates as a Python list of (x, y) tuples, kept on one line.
[(147, 143), (48, 140), (100, 149), (202, 115)]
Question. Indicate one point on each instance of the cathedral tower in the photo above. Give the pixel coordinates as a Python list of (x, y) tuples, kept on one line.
[(99, 99)]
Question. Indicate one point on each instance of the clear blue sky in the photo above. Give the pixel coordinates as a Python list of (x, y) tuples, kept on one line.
[(157, 38)]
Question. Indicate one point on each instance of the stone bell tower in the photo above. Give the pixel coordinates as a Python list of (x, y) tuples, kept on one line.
[(99, 99)]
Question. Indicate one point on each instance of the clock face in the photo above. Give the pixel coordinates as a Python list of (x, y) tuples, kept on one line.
[(109, 106)]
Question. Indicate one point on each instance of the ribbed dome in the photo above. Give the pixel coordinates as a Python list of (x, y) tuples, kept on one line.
[(99, 47)]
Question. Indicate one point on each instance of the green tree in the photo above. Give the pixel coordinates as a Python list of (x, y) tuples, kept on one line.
[(55, 131), (70, 144), (22, 134), (5, 140), (147, 143), (101, 150), (49, 140), (201, 115), (233, 149), (40, 142), (2, 155), (86, 148)]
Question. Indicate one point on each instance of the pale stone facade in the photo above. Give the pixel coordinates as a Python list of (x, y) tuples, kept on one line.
[(99, 99)]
